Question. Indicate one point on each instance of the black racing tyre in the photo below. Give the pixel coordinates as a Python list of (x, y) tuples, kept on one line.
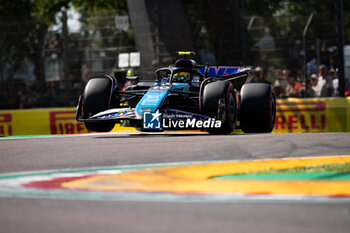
[(257, 113), (212, 94), (98, 97)]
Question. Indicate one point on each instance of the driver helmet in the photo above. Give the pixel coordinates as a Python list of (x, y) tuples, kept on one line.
[(130, 72), (181, 77)]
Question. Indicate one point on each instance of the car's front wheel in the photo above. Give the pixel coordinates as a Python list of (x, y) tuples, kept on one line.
[(219, 101), (98, 96)]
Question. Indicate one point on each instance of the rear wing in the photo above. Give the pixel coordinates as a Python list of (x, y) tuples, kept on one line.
[(235, 74), (217, 71)]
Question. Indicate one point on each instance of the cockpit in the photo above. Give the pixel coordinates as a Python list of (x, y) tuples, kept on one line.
[(181, 77), (175, 75)]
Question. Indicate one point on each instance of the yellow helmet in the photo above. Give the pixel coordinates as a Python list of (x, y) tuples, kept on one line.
[(130, 72), (181, 77)]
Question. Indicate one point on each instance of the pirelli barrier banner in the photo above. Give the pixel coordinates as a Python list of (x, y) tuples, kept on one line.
[(40, 122), (293, 116), (313, 115)]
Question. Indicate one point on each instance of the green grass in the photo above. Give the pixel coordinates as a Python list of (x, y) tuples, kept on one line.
[(321, 172), (343, 167)]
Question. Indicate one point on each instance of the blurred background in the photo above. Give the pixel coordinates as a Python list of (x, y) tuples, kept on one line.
[(49, 49)]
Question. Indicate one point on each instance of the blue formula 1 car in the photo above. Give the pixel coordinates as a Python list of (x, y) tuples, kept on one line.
[(183, 96)]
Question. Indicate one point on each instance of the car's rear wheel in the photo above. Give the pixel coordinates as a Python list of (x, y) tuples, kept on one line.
[(257, 112), (214, 94), (98, 96)]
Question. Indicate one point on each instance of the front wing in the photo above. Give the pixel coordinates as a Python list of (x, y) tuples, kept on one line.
[(118, 114)]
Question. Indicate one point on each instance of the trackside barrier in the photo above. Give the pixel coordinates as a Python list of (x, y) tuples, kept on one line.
[(293, 115), (313, 115)]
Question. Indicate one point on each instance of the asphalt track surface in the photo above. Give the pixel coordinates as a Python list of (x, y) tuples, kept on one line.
[(58, 215)]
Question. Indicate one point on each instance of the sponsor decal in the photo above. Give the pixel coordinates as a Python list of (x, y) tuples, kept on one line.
[(150, 102), (117, 114), (63, 122), (152, 99), (308, 116), (6, 124), (220, 70)]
